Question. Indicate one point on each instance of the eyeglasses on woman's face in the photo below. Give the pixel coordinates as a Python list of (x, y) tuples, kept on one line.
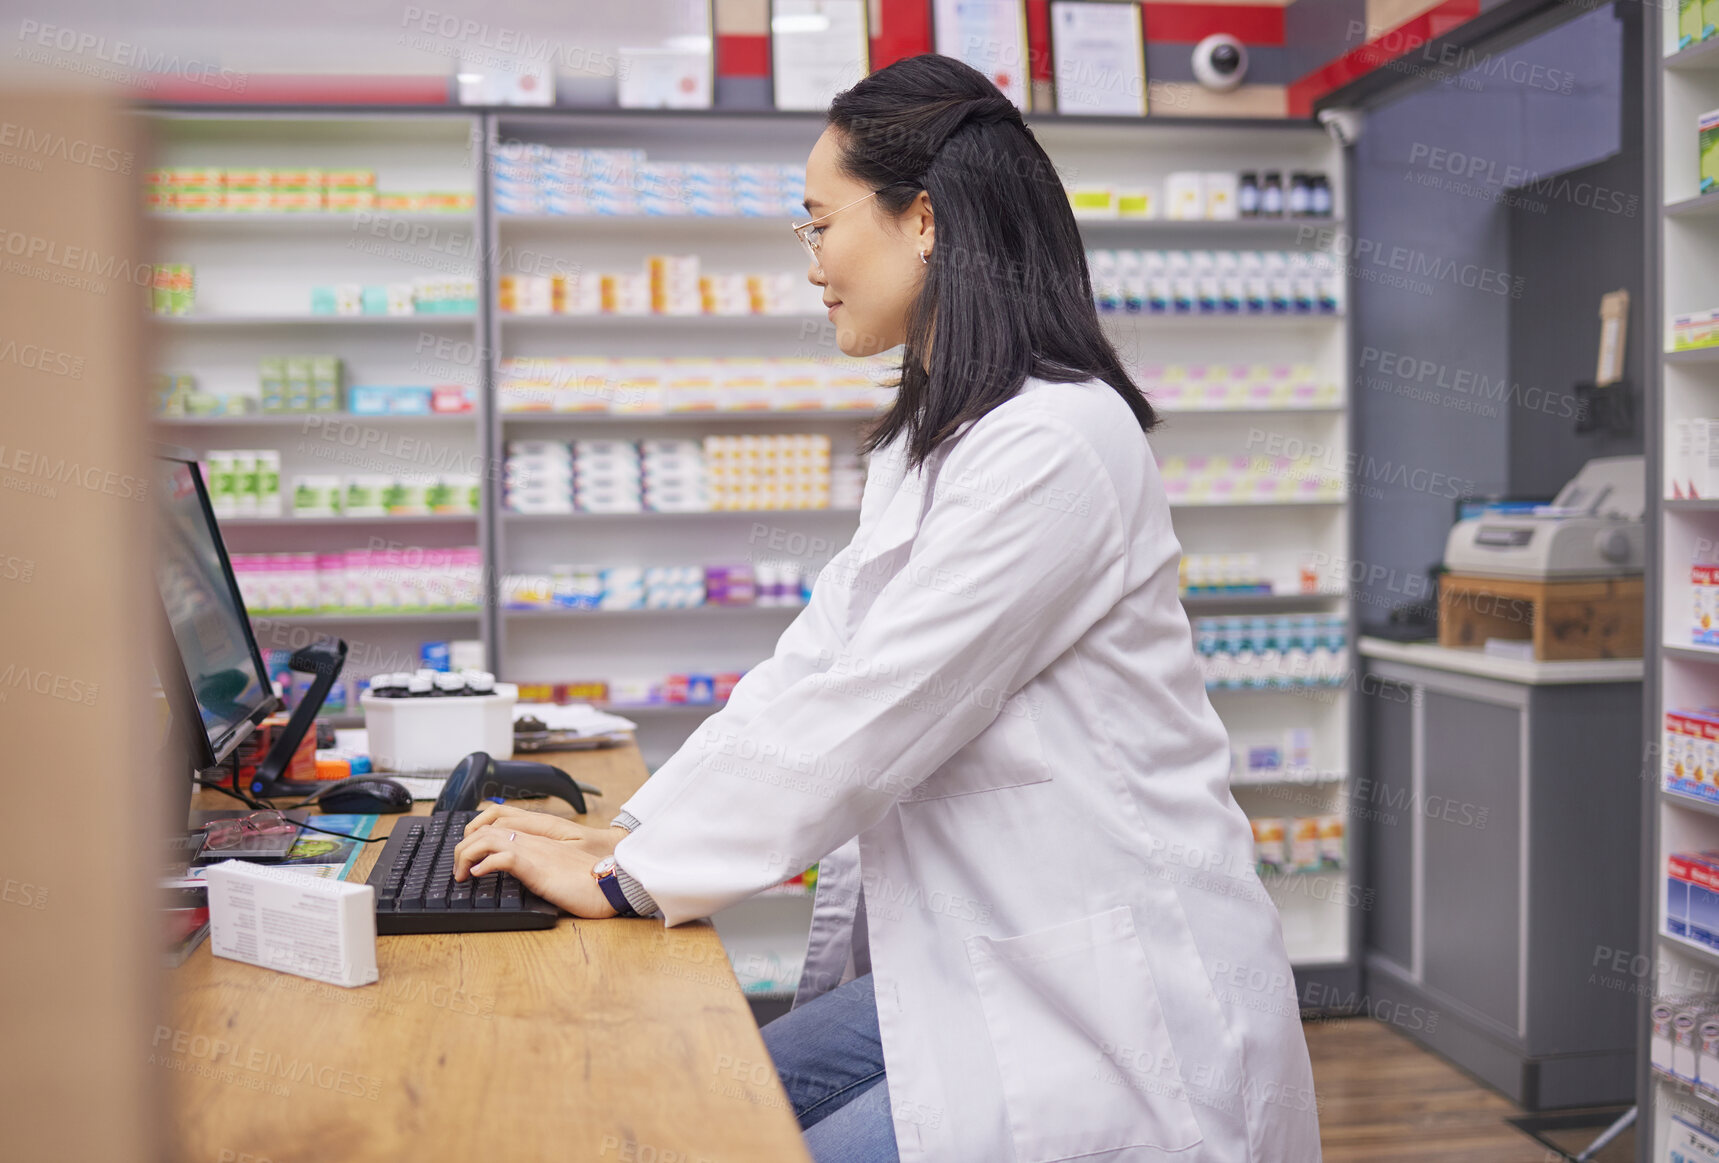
[(811, 233)]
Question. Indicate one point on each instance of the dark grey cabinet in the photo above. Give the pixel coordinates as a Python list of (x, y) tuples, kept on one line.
[(1502, 831)]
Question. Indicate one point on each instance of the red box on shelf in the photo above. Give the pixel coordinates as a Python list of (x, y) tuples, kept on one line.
[(450, 398)]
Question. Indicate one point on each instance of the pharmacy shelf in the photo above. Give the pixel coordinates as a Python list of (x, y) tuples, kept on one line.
[(653, 223), (1688, 1090), (369, 617), (425, 319), (1307, 779), (300, 419), (1692, 948), (1219, 320), (1707, 205), (652, 515), (712, 416), (1693, 355), (1120, 151), (610, 322), (1248, 603), (650, 223), (1270, 879), (1698, 56), (1690, 653), (709, 610), (1678, 239), (353, 522), (1296, 688), (254, 273), (1273, 227), (309, 220), (1290, 503), (1691, 803), (1270, 410)]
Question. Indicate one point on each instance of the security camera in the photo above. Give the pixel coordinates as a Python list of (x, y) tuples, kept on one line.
[(1220, 62), (1344, 125)]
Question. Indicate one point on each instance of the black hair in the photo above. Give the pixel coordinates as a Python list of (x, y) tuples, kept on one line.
[(1006, 284)]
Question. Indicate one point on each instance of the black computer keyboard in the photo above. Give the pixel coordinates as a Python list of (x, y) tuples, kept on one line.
[(416, 893)]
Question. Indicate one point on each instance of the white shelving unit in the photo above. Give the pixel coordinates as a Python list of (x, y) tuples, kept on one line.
[(653, 644), (253, 275), (1685, 240), (1319, 926), (765, 937)]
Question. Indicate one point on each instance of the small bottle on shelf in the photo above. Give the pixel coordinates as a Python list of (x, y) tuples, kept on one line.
[(1300, 195), (1271, 195), (1321, 196), (1247, 195)]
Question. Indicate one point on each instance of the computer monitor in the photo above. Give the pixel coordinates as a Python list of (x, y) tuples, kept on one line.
[(222, 674)]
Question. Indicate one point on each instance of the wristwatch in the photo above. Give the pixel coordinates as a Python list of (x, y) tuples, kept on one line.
[(604, 873)]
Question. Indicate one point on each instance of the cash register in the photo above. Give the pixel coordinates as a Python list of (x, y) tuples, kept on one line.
[(1593, 528)]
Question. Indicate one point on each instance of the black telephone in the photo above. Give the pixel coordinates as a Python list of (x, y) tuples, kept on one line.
[(477, 777)]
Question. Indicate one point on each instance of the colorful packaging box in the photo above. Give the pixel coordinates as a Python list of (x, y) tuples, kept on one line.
[(1688, 23), (1269, 852), (1688, 1143), (1689, 745), (1695, 329), (1692, 898), (325, 394), (1708, 129)]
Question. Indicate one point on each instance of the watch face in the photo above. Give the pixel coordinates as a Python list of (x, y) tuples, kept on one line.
[(603, 867)]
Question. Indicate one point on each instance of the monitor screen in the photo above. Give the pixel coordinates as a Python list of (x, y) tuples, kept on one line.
[(223, 667)]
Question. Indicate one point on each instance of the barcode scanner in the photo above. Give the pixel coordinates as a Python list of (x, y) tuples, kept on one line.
[(477, 777)]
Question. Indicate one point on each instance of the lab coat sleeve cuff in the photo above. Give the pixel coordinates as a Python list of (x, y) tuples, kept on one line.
[(635, 893), (625, 819)]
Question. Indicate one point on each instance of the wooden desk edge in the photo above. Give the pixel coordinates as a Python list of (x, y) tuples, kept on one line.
[(668, 1012)]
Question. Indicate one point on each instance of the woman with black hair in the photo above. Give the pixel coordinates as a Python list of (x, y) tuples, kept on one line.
[(1038, 932)]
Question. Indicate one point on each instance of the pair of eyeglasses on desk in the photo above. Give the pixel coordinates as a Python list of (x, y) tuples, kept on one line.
[(233, 833)]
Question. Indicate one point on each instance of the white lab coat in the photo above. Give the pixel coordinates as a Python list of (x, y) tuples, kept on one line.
[(990, 725)]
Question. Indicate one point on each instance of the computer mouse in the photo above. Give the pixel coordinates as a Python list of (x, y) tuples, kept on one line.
[(369, 796)]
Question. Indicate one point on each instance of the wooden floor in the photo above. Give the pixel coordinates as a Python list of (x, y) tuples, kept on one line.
[(1381, 1096)]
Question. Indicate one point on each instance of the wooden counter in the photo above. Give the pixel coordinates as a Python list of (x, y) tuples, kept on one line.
[(600, 1040)]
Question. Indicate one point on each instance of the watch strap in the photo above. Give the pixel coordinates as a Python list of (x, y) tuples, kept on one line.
[(612, 890)]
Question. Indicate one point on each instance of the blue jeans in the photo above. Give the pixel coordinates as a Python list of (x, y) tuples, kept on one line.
[(830, 1060)]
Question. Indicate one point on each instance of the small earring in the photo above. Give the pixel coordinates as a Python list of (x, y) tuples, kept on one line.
[(924, 261)]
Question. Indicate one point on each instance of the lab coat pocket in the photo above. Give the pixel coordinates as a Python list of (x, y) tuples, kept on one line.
[(1008, 753), (1080, 1040)]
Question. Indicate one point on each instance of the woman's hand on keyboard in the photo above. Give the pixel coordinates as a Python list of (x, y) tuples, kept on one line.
[(559, 871), (600, 841)]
